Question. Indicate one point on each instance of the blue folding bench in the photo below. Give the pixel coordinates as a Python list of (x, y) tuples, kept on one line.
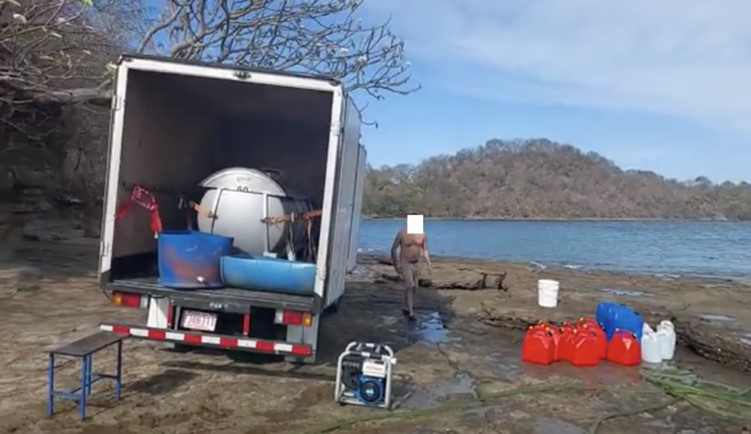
[(84, 349)]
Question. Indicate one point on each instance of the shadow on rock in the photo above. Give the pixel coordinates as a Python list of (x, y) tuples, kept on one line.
[(163, 383)]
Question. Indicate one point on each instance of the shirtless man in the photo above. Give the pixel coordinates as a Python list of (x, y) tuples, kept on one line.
[(412, 247)]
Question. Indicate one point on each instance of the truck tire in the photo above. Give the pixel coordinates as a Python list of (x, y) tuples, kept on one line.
[(334, 308), (182, 348)]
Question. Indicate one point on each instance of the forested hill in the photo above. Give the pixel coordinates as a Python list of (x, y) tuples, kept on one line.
[(542, 179)]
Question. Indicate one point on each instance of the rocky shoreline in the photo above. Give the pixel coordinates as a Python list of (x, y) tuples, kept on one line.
[(459, 364), (710, 314)]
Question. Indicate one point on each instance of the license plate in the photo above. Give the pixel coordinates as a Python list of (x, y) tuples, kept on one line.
[(199, 321)]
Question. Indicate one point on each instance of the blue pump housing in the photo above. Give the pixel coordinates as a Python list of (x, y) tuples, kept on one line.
[(370, 390)]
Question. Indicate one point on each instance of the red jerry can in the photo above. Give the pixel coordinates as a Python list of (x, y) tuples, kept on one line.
[(555, 333), (539, 326), (563, 349), (587, 320), (624, 348), (585, 349), (538, 346), (601, 337)]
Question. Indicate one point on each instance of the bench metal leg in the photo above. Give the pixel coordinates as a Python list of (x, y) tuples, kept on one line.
[(50, 384), (84, 386), (89, 364), (119, 370)]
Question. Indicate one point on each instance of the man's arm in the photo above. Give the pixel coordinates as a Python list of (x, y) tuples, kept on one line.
[(425, 252), (394, 247)]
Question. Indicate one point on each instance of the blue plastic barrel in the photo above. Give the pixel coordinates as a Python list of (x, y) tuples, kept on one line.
[(603, 313), (628, 319), (191, 259), (611, 313), (268, 274)]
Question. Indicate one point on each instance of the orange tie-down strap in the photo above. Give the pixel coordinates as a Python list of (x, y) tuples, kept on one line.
[(290, 217), (308, 216)]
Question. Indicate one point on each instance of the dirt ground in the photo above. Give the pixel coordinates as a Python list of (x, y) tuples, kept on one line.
[(462, 348)]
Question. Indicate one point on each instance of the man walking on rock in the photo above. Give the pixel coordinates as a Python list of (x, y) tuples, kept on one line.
[(412, 247)]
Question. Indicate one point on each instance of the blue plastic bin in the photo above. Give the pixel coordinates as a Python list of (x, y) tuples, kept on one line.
[(268, 274), (191, 259)]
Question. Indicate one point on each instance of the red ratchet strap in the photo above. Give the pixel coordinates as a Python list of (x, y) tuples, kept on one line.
[(143, 198)]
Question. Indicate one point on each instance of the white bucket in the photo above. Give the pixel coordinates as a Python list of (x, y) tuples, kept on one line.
[(547, 293)]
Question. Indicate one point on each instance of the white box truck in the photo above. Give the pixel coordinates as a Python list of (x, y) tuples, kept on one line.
[(174, 123)]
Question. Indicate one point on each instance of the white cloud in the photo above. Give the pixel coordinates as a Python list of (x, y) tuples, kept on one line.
[(687, 58)]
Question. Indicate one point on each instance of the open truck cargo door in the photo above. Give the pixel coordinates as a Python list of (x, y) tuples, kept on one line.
[(174, 123), (344, 202)]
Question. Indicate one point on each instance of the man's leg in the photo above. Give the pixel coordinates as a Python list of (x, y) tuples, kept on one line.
[(408, 278), (412, 291), (411, 302)]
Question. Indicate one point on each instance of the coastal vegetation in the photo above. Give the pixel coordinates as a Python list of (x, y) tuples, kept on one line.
[(541, 179)]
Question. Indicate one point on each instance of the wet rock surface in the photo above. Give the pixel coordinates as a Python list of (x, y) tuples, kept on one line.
[(455, 359)]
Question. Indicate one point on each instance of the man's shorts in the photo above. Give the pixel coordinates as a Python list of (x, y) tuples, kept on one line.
[(410, 273)]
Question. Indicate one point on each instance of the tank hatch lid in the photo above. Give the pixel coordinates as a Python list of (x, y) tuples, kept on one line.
[(234, 177)]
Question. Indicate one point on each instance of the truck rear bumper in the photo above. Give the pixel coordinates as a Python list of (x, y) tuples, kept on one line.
[(210, 340), (222, 299)]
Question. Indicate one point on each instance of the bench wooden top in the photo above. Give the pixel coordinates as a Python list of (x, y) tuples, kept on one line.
[(88, 345)]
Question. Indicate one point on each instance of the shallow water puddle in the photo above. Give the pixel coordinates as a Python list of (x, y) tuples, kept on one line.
[(433, 395), (463, 385), (716, 317), (745, 339), (430, 328), (626, 292), (556, 426)]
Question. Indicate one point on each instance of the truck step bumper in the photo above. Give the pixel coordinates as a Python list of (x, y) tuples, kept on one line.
[(210, 340)]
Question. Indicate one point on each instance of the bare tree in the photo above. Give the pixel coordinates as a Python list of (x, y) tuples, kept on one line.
[(56, 67), (315, 36), (52, 53), (43, 43)]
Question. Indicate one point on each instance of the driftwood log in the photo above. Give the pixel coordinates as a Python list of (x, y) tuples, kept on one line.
[(695, 334), (472, 283)]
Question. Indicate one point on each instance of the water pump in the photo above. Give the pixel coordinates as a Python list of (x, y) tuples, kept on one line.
[(363, 375)]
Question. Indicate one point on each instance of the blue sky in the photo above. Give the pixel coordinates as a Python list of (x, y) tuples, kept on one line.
[(663, 86)]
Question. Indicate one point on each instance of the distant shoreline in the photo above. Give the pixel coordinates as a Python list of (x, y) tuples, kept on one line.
[(552, 219), (364, 257)]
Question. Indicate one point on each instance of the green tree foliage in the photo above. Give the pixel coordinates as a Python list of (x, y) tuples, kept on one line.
[(542, 179)]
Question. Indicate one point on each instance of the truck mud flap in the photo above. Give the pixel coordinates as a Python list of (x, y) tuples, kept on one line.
[(238, 343)]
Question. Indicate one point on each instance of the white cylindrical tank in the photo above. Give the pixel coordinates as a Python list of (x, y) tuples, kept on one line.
[(240, 198)]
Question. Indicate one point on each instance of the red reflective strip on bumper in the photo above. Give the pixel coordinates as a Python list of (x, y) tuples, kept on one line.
[(210, 339), (192, 339), (157, 334), (121, 330), (301, 350), (228, 342)]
